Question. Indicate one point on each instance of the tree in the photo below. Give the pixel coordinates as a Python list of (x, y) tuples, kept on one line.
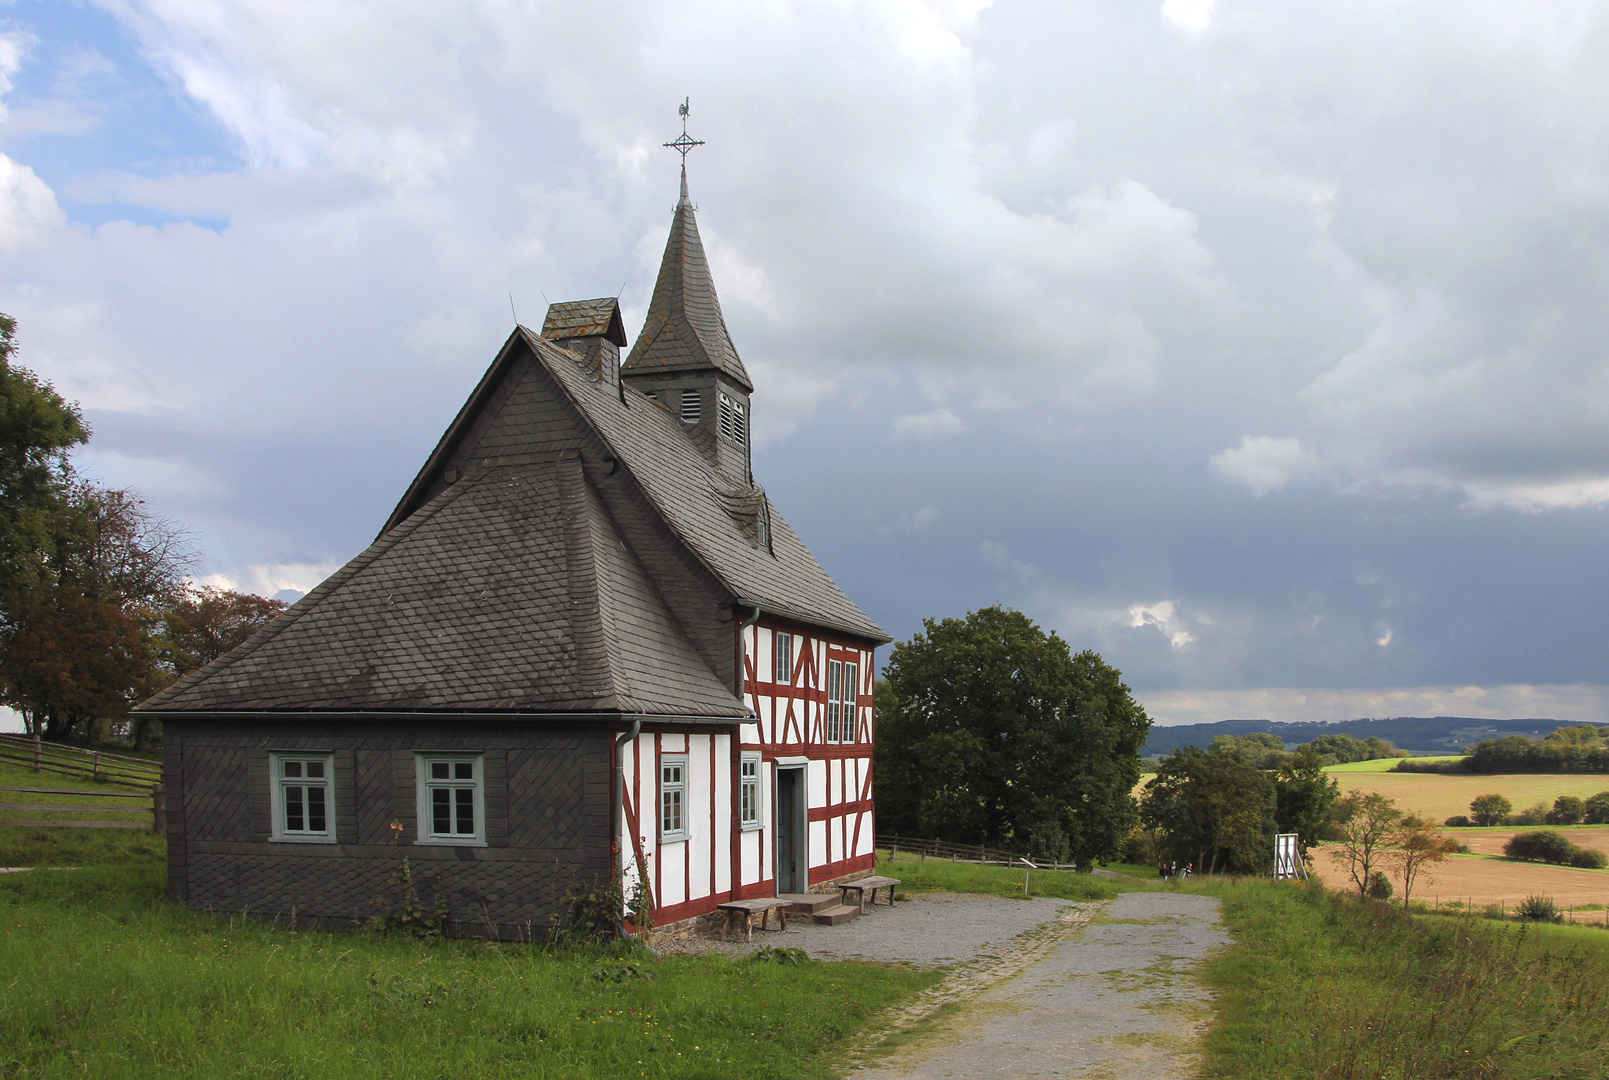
[(1260, 749), (1490, 809), (37, 429), (1213, 809), (1417, 845), (1366, 823), (992, 731), (1595, 811), (78, 649), (1304, 798), (1567, 810)]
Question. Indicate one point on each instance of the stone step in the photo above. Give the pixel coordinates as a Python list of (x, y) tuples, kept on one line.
[(808, 903), (836, 914)]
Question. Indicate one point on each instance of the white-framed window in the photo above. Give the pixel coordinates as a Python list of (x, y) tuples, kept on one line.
[(303, 797), (851, 686), (689, 409), (835, 708), (672, 797), (452, 798), (784, 657), (842, 680), (734, 420), (748, 798)]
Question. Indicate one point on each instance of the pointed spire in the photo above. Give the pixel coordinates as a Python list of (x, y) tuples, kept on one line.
[(685, 330)]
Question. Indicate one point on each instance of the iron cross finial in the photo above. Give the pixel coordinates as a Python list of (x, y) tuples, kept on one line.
[(684, 142)]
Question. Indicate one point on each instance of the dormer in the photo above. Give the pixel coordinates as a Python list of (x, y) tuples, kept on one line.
[(592, 330), (684, 356)]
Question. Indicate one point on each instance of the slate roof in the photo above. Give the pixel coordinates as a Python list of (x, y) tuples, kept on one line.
[(512, 590), (685, 330), (585, 318), (692, 497)]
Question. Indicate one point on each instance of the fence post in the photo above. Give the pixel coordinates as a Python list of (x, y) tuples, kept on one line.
[(97, 772), (159, 809), (39, 753)]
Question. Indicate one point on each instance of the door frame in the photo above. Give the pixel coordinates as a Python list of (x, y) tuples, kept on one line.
[(801, 826)]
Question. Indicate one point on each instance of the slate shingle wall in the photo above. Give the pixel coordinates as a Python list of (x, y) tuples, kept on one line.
[(547, 822)]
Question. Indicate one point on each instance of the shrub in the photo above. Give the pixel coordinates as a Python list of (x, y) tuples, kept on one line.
[(1380, 886), (1567, 810), (1552, 847), (1595, 811), (1490, 809), (1538, 909), (1458, 821), (1589, 859), (1531, 815)]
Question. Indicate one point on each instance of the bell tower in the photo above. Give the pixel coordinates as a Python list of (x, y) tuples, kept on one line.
[(684, 355)]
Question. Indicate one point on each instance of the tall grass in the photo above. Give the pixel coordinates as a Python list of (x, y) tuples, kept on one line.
[(1320, 985), (100, 976)]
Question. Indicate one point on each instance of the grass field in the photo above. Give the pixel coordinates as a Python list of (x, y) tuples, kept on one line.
[(1440, 796), (104, 978), (1318, 986), (1378, 765), (70, 847), (919, 875)]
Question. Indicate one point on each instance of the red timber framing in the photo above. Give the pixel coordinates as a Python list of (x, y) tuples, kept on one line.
[(720, 858)]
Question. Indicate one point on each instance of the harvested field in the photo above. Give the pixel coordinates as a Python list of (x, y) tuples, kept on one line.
[(1440, 797), (1483, 880), (1491, 841)]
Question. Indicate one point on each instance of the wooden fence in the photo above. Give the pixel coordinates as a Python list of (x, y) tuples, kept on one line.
[(99, 767), (909, 846)]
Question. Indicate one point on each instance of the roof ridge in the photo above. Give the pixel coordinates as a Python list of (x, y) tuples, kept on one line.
[(594, 662)]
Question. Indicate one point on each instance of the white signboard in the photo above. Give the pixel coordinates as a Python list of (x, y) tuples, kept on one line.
[(1288, 858)]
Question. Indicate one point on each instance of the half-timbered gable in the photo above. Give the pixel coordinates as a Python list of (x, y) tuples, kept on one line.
[(585, 634)]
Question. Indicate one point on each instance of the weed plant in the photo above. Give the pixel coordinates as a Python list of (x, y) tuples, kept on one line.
[(1323, 985), (103, 977), (919, 875)]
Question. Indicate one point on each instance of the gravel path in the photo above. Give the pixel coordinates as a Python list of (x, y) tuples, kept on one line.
[(1115, 1002), (927, 930)]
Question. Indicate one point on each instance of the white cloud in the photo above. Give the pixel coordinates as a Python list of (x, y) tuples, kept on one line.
[(1192, 16), (1263, 463), (937, 424), (1165, 617), (266, 580), (28, 209)]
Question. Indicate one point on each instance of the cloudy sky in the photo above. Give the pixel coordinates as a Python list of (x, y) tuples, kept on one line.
[(1262, 347)]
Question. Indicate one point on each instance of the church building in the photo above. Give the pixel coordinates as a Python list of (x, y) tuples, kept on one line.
[(585, 641)]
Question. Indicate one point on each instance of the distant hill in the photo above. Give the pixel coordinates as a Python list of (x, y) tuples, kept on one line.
[(1421, 735)]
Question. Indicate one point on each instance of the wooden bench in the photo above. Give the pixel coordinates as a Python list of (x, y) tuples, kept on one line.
[(764, 905), (860, 885)]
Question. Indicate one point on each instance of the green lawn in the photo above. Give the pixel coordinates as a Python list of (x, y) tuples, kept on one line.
[(1380, 764), (70, 847), (1319, 985), (104, 978), (919, 875)]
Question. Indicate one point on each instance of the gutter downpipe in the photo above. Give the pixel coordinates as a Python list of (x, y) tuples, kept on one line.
[(618, 810), (737, 755)]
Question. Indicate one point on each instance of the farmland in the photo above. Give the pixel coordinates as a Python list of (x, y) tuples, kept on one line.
[(1439, 796)]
